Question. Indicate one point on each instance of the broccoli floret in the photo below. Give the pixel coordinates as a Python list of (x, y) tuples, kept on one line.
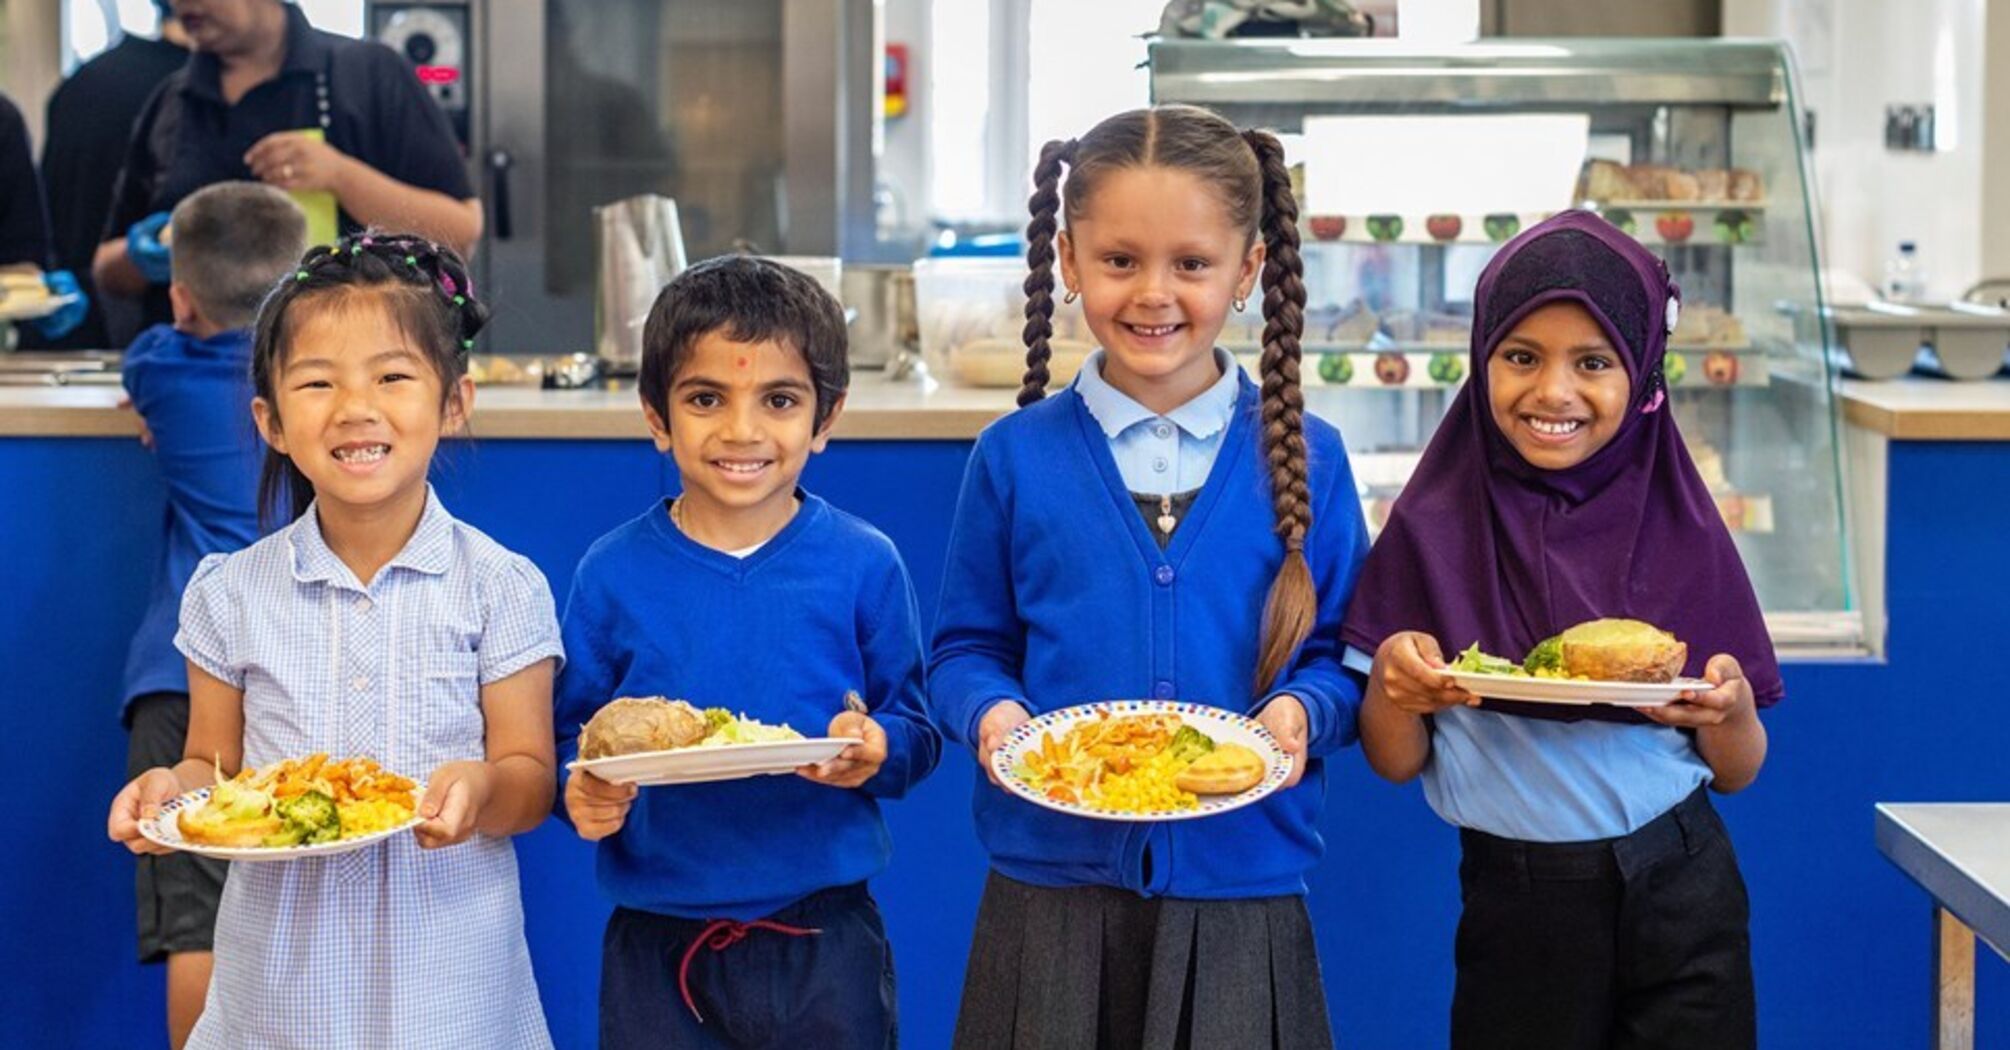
[(310, 817), (1190, 743), (1546, 656)]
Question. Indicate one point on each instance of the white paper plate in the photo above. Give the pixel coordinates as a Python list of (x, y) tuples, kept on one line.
[(699, 765), (1575, 691), (1226, 727), (16, 309), (162, 830)]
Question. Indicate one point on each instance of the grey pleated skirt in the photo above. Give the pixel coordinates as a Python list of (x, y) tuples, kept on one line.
[(1097, 968)]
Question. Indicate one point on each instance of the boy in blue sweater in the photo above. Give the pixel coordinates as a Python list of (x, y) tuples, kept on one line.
[(190, 382), (747, 593)]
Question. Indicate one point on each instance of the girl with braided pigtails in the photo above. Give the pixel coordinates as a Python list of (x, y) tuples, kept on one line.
[(374, 624), (1161, 528)]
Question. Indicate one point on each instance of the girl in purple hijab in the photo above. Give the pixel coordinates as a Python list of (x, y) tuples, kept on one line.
[(1603, 904)]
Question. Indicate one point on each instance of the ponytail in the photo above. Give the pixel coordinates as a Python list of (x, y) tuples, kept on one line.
[(1292, 606)]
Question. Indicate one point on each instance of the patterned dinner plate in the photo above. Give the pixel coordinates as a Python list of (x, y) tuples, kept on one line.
[(164, 831), (1225, 727)]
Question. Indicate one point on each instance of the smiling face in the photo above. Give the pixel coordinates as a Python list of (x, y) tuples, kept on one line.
[(1157, 260), (1558, 387), (741, 426), (358, 407)]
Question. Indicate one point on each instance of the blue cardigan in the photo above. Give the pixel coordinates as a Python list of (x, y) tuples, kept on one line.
[(824, 607), (1055, 594)]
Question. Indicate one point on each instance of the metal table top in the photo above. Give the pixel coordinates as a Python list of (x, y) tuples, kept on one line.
[(1960, 853)]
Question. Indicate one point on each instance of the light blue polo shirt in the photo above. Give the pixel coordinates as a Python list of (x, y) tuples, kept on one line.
[(1161, 455), (1541, 781)]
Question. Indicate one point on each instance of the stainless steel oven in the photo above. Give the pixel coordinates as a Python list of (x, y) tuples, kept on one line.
[(759, 117)]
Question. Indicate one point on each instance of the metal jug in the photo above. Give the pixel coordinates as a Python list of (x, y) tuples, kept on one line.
[(638, 248)]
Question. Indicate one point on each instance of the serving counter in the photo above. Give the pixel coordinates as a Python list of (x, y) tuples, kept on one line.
[(549, 471)]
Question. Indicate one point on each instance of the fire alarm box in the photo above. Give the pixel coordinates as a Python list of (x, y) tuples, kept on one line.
[(896, 80)]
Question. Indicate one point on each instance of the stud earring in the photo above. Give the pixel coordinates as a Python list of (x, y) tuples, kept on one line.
[(1071, 296), (1240, 305)]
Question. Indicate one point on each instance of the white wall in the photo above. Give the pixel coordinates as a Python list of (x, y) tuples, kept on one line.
[(1856, 56), (30, 58)]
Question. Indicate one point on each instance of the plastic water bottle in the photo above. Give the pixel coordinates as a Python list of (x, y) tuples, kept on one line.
[(1905, 275)]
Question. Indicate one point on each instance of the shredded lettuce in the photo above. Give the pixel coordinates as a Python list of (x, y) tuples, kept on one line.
[(1475, 662), (743, 730)]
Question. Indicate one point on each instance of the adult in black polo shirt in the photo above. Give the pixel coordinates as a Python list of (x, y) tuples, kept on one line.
[(24, 230), (90, 120), (261, 73)]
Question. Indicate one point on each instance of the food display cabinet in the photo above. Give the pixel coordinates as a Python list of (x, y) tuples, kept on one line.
[(1417, 163)]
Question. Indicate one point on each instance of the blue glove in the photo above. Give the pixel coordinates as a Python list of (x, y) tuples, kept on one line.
[(68, 316), (144, 247)]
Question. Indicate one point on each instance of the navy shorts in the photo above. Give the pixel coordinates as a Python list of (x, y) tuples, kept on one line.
[(670, 982)]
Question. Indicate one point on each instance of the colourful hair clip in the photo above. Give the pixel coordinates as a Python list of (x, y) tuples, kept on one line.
[(411, 260), (467, 344), (460, 300), (301, 276)]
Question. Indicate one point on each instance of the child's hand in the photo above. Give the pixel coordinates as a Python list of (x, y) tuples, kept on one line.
[(1730, 698), (141, 800), (455, 795), (1412, 669), (1285, 718), (855, 764), (596, 807), (1003, 717)]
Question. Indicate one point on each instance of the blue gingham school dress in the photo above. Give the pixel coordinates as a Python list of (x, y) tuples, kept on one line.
[(389, 945)]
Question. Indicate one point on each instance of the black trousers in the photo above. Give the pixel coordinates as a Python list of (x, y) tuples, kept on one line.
[(1634, 943)]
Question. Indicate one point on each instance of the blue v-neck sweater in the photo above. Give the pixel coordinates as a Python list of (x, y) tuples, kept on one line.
[(824, 607), (1055, 594)]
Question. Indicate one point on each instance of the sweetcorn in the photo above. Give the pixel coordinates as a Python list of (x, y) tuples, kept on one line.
[(368, 816), (1148, 788)]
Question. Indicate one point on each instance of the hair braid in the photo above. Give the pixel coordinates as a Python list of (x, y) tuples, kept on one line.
[(1045, 204), (1292, 605)]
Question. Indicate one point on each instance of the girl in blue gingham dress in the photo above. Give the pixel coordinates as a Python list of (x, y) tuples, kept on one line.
[(375, 624)]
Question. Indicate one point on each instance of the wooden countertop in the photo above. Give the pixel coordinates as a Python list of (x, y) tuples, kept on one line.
[(1919, 409), (1912, 409), (875, 410)]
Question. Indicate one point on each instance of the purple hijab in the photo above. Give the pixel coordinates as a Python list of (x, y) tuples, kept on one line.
[(1483, 547)]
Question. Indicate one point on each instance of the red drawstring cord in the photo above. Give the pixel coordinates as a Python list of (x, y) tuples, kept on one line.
[(720, 935)]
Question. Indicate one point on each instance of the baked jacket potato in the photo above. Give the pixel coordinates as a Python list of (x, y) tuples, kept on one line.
[(1611, 651), (631, 725)]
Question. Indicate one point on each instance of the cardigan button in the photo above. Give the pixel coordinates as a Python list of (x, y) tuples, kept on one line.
[(1163, 690), (1164, 575)]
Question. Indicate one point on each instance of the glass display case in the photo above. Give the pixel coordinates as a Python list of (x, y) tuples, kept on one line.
[(1417, 163)]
